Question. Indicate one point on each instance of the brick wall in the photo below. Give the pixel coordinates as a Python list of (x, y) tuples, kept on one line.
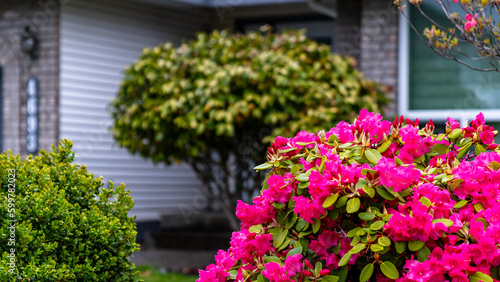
[(348, 28), (379, 46), (42, 17)]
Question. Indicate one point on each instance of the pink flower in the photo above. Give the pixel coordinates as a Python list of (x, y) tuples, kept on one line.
[(470, 22), (372, 124), (261, 212), (279, 188), (397, 177), (293, 264), (275, 273), (307, 209), (452, 124), (212, 274)]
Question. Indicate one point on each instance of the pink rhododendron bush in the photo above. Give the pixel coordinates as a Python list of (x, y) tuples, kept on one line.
[(372, 200)]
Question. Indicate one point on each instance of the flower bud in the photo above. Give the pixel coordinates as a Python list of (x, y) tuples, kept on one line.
[(324, 272), (306, 273)]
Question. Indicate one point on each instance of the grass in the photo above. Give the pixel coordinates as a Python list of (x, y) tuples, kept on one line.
[(148, 274)]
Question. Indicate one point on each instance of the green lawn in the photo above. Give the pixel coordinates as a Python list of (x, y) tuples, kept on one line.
[(148, 274)]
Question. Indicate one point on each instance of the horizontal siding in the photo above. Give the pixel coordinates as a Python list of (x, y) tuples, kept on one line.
[(97, 42)]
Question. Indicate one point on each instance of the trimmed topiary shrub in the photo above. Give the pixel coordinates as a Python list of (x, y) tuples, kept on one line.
[(212, 101), (58, 222), (372, 201)]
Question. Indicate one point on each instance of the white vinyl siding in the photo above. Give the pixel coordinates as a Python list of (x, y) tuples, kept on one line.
[(98, 40)]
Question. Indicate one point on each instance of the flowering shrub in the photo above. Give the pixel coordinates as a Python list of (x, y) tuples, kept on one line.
[(372, 200), (212, 101)]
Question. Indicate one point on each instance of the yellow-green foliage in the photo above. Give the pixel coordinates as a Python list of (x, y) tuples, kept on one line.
[(69, 227), (176, 102)]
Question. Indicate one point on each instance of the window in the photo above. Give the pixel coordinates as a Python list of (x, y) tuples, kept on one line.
[(435, 87)]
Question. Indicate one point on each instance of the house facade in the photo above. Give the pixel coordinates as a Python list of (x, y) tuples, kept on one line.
[(81, 47)]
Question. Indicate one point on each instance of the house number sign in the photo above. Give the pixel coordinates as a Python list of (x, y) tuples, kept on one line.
[(32, 116)]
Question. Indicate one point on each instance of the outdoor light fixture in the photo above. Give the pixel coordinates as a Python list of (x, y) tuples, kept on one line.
[(29, 43), (32, 116)]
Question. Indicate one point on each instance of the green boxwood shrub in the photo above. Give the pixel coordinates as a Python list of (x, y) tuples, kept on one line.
[(68, 226)]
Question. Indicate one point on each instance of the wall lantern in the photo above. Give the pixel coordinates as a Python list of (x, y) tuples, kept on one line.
[(32, 116), (29, 43)]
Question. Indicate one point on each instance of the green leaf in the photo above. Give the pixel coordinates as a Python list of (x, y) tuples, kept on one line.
[(440, 148), (478, 207), (455, 133), (279, 205), (295, 169), (333, 138), (295, 251), (263, 166), (353, 205), (285, 244), (400, 246), (330, 278), (316, 225), (464, 141), (415, 245), (358, 248), (353, 232), (423, 254), (386, 218), (366, 273), (377, 225), (330, 200), (255, 229), (426, 201), (463, 151), (291, 219), (384, 146), (361, 232), (301, 225), (341, 202), (479, 149), (355, 241), (272, 259), (323, 161), (361, 183), (365, 171), (445, 221), (369, 191), (280, 237), (334, 214), (233, 273), (479, 276), (376, 248), (366, 216), (384, 241), (384, 194), (305, 143), (373, 156), (494, 165), (260, 278), (460, 204), (389, 270), (345, 259), (302, 177), (287, 150), (318, 267)]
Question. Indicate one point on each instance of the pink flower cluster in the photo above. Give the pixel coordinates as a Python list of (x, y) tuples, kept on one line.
[(372, 200)]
